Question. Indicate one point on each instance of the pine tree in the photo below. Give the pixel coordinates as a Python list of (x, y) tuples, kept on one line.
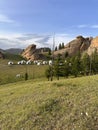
[(26, 76), (56, 48), (66, 54), (62, 45), (49, 52), (94, 62), (66, 69), (49, 73), (58, 67), (86, 64), (75, 66)]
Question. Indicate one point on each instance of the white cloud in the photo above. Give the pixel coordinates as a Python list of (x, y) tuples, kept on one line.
[(82, 26), (88, 26), (23, 40), (94, 26), (5, 19)]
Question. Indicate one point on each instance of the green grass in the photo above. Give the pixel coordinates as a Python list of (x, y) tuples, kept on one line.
[(67, 104), (13, 57), (8, 72)]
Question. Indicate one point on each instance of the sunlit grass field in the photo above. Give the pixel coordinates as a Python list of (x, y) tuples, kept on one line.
[(8, 72), (38, 104)]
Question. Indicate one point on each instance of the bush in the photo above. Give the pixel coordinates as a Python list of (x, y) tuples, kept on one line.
[(26, 76)]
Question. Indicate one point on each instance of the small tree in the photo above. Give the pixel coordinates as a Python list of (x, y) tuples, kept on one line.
[(59, 67), (56, 48), (76, 65), (26, 76), (49, 73), (62, 45), (66, 54), (56, 69), (86, 64), (66, 69), (49, 52), (94, 62)]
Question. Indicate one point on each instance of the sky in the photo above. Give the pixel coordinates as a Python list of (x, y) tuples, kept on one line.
[(25, 22)]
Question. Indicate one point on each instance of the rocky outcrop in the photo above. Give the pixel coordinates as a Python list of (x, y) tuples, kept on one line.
[(31, 53), (80, 44), (1, 55), (93, 46), (15, 51)]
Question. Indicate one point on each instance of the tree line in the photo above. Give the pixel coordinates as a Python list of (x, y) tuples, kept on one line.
[(60, 46), (78, 65)]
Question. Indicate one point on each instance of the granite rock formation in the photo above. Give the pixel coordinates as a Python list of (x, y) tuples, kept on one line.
[(31, 53), (80, 44), (93, 46)]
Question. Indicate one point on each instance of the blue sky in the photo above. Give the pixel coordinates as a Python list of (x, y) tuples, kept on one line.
[(23, 22)]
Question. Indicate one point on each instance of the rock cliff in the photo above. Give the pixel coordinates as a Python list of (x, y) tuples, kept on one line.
[(79, 44), (29, 51), (93, 46), (32, 53)]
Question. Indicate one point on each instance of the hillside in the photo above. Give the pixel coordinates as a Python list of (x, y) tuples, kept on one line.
[(2, 51), (11, 54), (1, 55), (68, 104), (14, 51), (12, 57)]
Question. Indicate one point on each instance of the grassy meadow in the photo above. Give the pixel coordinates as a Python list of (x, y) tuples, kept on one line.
[(38, 104), (8, 72)]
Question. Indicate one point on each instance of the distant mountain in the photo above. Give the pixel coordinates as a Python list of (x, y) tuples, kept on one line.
[(2, 51), (11, 54), (12, 57), (14, 51)]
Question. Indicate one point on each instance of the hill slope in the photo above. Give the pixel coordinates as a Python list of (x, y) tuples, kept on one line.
[(12, 57), (70, 104), (14, 51)]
